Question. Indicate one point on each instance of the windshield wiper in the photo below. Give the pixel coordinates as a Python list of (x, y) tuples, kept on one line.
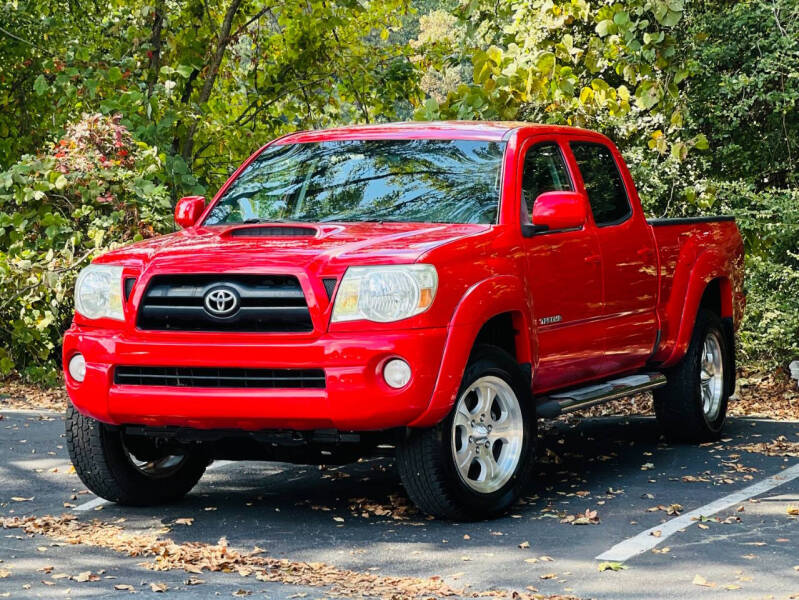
[(252, 220)]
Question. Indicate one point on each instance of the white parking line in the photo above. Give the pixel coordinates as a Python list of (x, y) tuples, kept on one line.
[(645, 541), (92, 504)]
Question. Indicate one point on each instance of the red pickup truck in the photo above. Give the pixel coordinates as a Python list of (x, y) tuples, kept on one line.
[(429, 287)]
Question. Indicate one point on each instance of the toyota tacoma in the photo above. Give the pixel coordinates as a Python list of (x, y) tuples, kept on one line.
[(426, 289)]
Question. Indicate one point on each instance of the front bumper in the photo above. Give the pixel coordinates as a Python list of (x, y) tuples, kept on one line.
[(355, 397)]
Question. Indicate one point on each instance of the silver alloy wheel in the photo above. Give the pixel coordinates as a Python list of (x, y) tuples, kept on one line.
[(487, 434), (158, 468), (711, 376)]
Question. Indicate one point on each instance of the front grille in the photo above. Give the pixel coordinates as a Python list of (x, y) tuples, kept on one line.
[(267, 303), (220, 377)]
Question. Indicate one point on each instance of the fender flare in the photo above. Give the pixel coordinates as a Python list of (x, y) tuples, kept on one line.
[(481, 302), (708, 267)]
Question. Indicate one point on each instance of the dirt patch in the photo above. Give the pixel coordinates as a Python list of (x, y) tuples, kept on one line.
[(164, 554)]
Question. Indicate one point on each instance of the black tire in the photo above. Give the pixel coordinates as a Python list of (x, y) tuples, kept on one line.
[(102, 462), (679, 404), (425, 457)]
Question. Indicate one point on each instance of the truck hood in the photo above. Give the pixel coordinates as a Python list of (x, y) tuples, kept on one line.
[(309, 246)]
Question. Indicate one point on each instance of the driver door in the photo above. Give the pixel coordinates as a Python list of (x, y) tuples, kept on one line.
[(564, 276)]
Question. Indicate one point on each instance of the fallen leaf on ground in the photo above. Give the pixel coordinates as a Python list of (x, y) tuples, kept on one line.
[(699, 580), (184, 521), (163, 554), (589, 517), (612, 566), (158, 587)]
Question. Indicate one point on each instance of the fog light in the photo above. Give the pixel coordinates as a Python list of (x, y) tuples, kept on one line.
[(77, 367), (397, 373)]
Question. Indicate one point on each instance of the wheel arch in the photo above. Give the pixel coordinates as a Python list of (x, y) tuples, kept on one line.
[(494, 311), (708, 287)]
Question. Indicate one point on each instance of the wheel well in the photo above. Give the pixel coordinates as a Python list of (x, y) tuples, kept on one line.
[(500, 331), (716, 298)]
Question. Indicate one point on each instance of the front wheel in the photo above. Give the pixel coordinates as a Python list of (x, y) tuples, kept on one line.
[(477, 461), (125, 469), (692, 406)]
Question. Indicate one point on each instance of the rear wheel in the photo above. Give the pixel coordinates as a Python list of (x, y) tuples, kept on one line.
[(476, 462), (129, 470), (692, 406)]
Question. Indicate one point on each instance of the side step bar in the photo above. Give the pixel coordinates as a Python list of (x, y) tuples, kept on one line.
[(563, 402)]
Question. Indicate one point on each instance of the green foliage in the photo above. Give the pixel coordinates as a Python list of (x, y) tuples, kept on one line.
[(94, 189), (205, 83)]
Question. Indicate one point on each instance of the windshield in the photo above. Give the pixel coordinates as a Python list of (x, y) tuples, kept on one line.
[(431, 181)]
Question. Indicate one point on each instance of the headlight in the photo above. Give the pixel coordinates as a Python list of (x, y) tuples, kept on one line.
[(386, 293), (98, 292)]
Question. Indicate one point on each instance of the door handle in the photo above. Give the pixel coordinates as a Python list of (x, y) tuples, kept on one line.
[(593, 258)]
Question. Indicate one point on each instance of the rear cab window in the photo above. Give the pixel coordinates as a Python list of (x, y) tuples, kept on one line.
[(607, 194)]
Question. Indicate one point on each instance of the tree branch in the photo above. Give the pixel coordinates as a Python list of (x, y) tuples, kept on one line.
[(213, 70)]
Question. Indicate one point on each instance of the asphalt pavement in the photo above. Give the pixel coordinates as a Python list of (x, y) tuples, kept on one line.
[(344, 516)]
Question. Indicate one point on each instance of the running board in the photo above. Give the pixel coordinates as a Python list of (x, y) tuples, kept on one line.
[(563, 402)]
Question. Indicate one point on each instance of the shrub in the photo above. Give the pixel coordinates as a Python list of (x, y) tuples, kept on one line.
[(91, 191)]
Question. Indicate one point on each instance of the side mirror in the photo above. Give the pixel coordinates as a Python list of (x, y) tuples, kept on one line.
[(188, 210), (559, 210)]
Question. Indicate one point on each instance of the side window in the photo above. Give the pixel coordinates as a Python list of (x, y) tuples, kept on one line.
[(544, 171), (603, 183)]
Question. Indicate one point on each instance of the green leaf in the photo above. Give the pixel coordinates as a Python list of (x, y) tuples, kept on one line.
[(61, 182), (114, 74), (679, 151), (40, 85), (648, 94), (495, 54), (700, 142), (605, 27), (671, 18), (621, 18), (185, 70), (612, 566), (545, 62)]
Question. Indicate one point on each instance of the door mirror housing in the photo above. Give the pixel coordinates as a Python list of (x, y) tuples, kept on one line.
[(559, 210), (188, 210)]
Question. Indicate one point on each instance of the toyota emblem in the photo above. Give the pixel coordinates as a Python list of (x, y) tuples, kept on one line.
[(221, 302)]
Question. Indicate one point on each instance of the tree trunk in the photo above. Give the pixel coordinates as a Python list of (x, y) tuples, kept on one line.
[(223, 39), (156, 41)]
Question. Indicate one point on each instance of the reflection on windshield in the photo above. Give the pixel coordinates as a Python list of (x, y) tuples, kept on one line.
[(432, 181)]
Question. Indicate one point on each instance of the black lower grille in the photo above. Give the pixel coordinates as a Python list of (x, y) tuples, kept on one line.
[(220, 377), (259, 303)]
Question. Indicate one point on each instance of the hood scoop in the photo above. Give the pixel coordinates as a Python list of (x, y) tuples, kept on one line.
[(273, 231)]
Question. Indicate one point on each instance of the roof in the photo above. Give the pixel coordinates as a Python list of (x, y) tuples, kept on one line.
[(465, 130)]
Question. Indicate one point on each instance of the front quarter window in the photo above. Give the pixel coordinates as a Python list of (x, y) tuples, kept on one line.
[(436, 181)]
